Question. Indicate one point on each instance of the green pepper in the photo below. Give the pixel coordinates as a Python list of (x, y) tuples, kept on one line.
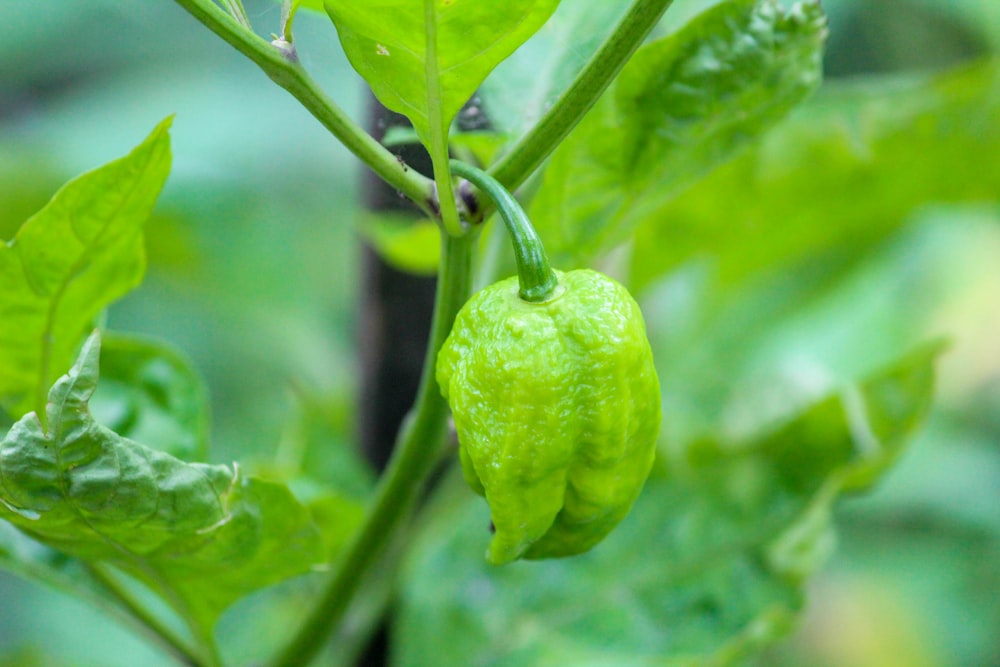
[(556, 402)]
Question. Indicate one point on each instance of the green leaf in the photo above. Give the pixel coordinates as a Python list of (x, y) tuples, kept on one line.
[(318, 460), (477, 147), (29, 656), (893, 144), (150, 393), (409, 245), (683, 105), (33, 561), (70, 260), (200, 535), (707, 570), (426, 59), (526, 84)]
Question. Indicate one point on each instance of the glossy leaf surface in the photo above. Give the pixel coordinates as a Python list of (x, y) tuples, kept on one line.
[(426, 59), (526, 84), (200, 535), (70, 260)]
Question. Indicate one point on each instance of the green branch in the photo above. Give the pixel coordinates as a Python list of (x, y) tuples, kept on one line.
[(150, 624), (280, 63), (531, 150), (417, 451)]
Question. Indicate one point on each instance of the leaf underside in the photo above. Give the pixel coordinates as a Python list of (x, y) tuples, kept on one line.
[(200, 535), (426, 59)]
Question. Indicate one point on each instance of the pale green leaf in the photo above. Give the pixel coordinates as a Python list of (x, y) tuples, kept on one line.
[(839, 176), (200, 535), (413, 246), (426, 59), (317, 458), (30, 656), (525, 85), (706, 571), (477, 147), (684, 104), (150, 393), (70, 260)]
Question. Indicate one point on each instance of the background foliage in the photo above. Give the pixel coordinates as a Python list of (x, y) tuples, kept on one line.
[(864, 224)]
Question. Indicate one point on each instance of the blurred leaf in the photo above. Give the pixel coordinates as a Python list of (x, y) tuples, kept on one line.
[(319, 447), (683, 104), (929, 540), (477, 147), (706, 571), (337, 517), (34, 561), (526, 84), (408, 245), (862, 430), (426, 59), (840, 175), (150, 393), (901, 35), (200, 535), (734, 358), (28, 657), (317, 459), (315, 5), (70, 260), (400, 135)]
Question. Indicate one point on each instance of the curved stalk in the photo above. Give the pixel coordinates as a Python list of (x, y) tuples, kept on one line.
[(417, 450), (534, 274)]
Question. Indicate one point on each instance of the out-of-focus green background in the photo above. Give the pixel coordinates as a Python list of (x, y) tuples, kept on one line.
[(253, 272)]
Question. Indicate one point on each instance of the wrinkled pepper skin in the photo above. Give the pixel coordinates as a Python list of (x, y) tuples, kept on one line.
[(557, 408)]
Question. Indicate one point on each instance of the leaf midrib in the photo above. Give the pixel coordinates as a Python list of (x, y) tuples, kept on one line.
[(75, 270)]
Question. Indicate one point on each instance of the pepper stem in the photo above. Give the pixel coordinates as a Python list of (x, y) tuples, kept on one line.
[(534, 274)]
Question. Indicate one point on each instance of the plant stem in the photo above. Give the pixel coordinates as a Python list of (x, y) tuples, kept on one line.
[(417, 449), (237, 11), (283, 68), (534, 273), (532, 149), (153, 625)]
